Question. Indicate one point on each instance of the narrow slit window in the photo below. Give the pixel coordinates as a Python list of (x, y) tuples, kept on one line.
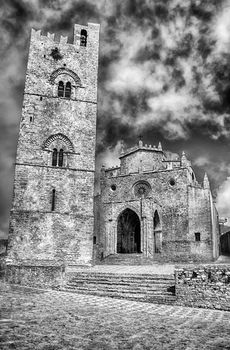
[(53, 200), (197, 236), (60, 158), (68, 90), (83, 39), (54, 157), (60, 89)]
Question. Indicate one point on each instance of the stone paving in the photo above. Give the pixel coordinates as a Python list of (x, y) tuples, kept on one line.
[(51, 320)]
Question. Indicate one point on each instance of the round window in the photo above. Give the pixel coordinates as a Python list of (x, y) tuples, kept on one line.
[(113, 187), (142, 189), (172, 182)]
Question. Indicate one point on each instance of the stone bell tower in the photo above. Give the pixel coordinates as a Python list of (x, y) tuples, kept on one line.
[(52, 213)]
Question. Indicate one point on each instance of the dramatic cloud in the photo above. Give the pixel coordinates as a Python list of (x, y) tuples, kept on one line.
[(164, 72)]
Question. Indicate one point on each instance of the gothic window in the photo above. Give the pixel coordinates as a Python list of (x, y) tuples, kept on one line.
[(60, 89), (54, 157), (83, 39), (60, 158), (68, 90), (53, 200)]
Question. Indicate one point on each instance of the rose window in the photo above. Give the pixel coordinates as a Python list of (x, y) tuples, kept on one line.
[(142, 189)]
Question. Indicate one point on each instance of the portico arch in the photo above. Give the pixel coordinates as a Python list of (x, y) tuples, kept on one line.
[(128, 232)]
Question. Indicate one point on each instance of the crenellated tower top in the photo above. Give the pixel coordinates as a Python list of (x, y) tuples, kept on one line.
[(80, 39)]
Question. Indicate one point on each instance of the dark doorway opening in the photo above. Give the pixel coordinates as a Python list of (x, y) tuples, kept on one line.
[(225, 243), (128, 232)]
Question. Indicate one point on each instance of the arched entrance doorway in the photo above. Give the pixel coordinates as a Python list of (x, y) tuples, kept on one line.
[(225, 243), (128, 232)]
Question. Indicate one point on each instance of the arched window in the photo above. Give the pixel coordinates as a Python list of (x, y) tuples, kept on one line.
[(60, 89), (83, 39), (60, 158), (53, 200), (54, 157), (59, 148), (68, 90)]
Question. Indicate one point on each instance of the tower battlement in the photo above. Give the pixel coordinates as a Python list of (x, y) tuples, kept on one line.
[(80, 35)]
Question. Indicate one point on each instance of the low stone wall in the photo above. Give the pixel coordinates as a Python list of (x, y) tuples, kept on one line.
[(205, 286), (39, 276)]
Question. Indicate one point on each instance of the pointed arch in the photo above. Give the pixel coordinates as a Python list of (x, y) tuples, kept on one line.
[(127, 206), (67, 71), (59, 137), (128, 232)]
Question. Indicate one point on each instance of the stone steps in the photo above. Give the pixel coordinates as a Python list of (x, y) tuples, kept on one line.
[(118, 290), (104, 284), (142, 287), (103, 276), (127, 259)]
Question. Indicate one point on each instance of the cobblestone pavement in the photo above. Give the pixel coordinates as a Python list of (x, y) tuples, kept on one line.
[(50, 320)]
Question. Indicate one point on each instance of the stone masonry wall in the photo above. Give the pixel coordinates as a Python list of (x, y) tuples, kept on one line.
[(170, 201), (205, 286), (184, 208), (200, 222), (35, 275), (38, 231), (142, 161)]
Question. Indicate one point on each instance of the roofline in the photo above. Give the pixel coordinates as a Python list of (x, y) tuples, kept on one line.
[(140, 149)]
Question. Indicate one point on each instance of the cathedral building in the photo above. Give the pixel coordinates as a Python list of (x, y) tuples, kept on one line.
[(150, 205)]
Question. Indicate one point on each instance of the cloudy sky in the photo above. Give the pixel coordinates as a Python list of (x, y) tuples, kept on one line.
[(164, 73)]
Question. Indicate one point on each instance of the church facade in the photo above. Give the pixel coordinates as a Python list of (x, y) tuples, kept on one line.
[(151, 205)]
